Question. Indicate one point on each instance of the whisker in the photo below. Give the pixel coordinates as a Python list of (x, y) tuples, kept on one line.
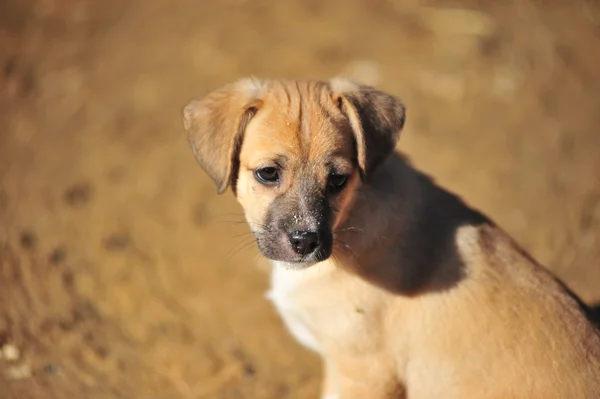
[(254, 226), (239, 247), (347, 252), (245, 246), (234, 222), (242, 242), (345, 248), (242, 234), (230, 214), (348, 230), (258, 257), (343, 243)]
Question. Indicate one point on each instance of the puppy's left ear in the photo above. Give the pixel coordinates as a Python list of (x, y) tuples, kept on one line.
[(376, 119)]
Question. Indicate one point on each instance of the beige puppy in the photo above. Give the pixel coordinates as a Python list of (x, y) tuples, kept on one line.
[(404, 290)]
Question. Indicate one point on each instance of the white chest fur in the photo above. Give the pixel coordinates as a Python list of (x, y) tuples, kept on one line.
[(288, 288), (322, 305)]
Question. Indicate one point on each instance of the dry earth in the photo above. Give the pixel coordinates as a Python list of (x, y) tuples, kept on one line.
[(124, 275)]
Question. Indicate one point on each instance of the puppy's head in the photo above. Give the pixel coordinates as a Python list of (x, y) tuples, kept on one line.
[(294, 153)]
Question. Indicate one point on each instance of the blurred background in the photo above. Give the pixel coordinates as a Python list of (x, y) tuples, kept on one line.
[(124, 275)]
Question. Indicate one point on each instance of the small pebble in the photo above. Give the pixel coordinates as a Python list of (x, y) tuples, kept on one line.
[(27, 240), (19, 372), (58, 255), (117, 241), (10, 352), (78, 195), (51, 368)]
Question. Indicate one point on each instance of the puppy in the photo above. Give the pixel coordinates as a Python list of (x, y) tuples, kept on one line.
[(404, 290)]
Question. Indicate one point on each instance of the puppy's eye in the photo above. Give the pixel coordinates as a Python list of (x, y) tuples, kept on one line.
[(267, 176), (337, 183)]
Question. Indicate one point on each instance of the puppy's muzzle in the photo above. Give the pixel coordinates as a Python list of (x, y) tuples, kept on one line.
[(297, 227)]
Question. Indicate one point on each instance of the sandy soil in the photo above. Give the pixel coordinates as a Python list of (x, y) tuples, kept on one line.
[(124, 275)]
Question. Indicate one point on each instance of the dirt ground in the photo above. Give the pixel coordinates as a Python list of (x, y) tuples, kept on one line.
[(124, 275)]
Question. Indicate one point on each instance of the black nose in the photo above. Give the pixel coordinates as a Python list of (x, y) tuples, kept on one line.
[(304, 242)]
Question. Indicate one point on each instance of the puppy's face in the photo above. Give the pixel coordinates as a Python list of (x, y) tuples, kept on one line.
[(294, 154), (297, 173)]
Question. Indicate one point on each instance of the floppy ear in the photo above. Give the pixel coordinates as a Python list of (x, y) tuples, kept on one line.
[(215, 128), (376, 119)]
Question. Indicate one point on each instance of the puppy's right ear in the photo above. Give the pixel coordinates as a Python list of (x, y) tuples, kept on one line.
[(215, 127)]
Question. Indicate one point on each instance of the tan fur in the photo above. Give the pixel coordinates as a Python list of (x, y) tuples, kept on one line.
[(422, 296)]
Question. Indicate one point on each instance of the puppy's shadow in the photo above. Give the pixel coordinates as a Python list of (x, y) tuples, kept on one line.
[(593, 313)]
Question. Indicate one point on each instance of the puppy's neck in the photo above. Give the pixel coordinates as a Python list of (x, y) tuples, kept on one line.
[(400, 232)]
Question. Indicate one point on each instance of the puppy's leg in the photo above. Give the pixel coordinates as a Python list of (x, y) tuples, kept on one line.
[(330, 388)]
